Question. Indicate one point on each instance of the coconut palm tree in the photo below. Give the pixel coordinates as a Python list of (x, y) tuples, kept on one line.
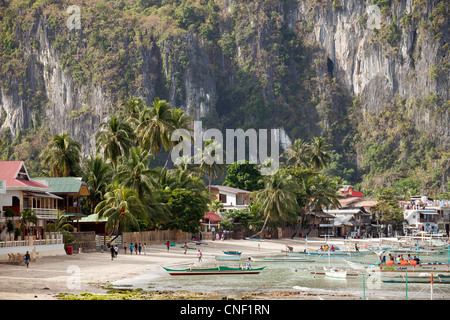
[(155, 125), (208, 166), (97, 175), (62, 156), (278, 200), (134, 172), (298, 153), (319, 153), (122, 207), (114, 138), (180, 120)]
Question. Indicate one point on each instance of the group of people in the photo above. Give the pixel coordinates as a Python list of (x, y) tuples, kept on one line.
[(326, 248), (138, 248), (399, 259)]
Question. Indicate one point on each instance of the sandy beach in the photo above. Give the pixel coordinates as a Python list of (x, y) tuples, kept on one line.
[(92, 272)]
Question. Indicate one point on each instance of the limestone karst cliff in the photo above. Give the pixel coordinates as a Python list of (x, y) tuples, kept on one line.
[(371, 82)]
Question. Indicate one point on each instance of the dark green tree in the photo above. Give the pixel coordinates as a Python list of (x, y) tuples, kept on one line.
[(243, 175)]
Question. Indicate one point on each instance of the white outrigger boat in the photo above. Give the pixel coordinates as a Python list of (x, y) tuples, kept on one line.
[(335, 273)]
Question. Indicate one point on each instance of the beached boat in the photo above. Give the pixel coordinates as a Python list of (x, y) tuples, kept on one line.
[(335, 273), (230, 257), (254, 239), (232, 252), (212, 271), (420, 278)]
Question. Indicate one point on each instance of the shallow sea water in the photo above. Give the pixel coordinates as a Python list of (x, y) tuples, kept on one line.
[(293, 276)]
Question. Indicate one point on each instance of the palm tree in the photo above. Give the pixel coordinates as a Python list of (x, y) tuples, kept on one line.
[(155, 125), (180, 120), (134, 172), (323, 192), (208, 165), (97, 175), (122, 207), (132, 108), (62, 156), (278, 200), (320, 156), (298, 152), (27, 216), (114, 138)]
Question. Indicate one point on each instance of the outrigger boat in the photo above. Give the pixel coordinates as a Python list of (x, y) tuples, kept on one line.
[(212, 271), (433, 267), (335, 273), (420, 278)]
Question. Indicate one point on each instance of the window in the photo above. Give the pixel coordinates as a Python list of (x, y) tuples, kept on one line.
[(223, 198)]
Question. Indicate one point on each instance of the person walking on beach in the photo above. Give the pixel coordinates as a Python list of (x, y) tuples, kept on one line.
[(27, 258), (113, 252), (135, 247), (247, 264), (145, 248), (168, 245), (199, 255), (140, 248), (116, 250), (131, 248), (185, 247)]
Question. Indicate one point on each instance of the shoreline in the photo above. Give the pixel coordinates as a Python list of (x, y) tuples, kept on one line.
[(92, 272), (95, 273)]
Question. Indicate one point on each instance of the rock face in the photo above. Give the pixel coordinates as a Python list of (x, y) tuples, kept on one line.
[(406, 55)]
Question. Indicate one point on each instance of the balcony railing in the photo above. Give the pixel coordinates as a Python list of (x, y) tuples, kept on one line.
[(45, 213)]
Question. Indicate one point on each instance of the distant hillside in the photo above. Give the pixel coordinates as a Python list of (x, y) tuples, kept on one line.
[(376, 89)]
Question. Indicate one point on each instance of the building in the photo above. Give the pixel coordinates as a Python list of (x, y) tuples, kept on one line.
[(425, 214), (70, 190), (421, 220), (231, 198), (20, 192), (350, 221), (210, 222), (349, 191)]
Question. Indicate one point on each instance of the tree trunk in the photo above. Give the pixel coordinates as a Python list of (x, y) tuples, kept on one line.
[(263, 227)]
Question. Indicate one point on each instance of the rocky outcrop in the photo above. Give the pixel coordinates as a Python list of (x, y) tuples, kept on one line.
[(402, 56)]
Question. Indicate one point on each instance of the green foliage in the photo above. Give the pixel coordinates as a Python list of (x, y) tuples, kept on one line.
[(243, 176), (186, 210)]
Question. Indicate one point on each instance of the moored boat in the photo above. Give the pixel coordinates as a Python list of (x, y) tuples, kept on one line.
[(420, 278), (232, 252), (335, 273), (231, 257), (212, 271), (397, 267)]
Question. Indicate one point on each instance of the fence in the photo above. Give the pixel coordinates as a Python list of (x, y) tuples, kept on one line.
[(157, 236), (50, 238)]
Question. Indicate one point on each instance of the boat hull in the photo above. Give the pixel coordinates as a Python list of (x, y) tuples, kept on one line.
[(212, 271), (423, 267)]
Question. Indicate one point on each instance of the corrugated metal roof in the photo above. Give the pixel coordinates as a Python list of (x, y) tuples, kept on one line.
[(64, 184)]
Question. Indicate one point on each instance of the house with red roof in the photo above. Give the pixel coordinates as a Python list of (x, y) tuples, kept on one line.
[(19, 192), (210, 222)]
